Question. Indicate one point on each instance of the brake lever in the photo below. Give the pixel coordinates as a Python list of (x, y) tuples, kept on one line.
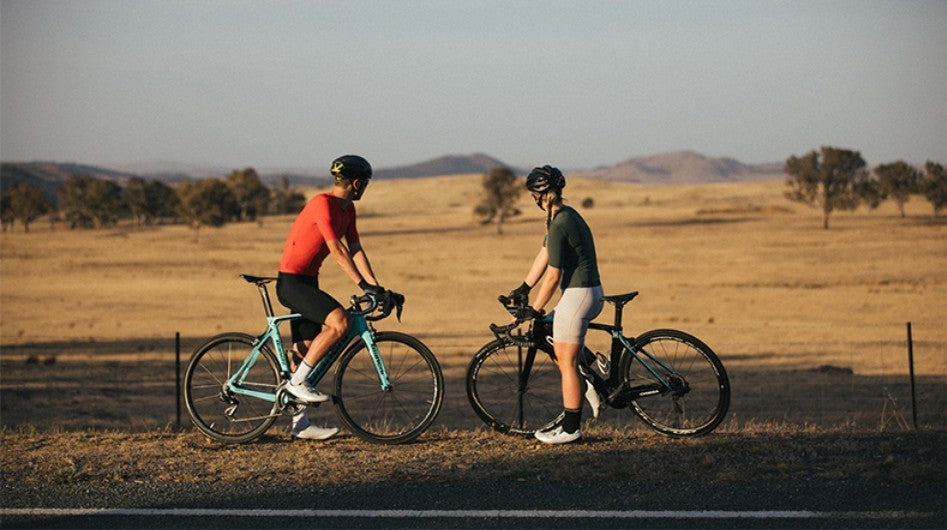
[(393, 301), (399, 305)]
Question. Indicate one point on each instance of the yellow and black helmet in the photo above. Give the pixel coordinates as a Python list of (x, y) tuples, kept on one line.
[(351, 167)]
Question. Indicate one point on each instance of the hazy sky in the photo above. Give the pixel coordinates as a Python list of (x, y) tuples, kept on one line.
[(576, 84)]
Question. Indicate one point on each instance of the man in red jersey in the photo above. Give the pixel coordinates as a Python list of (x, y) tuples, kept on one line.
[(316, 234)]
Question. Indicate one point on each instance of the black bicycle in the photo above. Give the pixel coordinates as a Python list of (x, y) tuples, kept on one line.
[(671, 380)]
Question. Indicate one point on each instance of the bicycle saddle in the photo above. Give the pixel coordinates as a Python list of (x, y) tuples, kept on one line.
[(620, 299), (256, 279)]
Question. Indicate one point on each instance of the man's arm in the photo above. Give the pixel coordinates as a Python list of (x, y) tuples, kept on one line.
[(341, 256), (360, 259)]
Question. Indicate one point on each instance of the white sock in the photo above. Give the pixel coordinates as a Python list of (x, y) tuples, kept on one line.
[(301, 421), (301, 373)]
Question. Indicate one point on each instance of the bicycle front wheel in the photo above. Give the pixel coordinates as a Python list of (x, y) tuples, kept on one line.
[(400, 413), (216, 410), (700, 390), (513, 388)]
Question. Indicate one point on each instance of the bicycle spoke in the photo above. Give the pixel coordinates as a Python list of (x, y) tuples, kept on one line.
[(501, 398), (699, 393), (402, 411), (245, 417)]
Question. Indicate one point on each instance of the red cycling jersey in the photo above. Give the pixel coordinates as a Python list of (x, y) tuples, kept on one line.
[(322, 219)]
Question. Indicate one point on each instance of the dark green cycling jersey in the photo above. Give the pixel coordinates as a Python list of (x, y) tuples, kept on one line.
[(572, 250)]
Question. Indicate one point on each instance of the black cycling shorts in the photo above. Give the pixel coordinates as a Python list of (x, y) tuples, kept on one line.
[(301, 294)]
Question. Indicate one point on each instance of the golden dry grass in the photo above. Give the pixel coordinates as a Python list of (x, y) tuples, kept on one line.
[(737, 265), (753, 275)]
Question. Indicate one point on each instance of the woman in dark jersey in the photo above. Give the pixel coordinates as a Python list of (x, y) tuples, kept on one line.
[(567, 260)]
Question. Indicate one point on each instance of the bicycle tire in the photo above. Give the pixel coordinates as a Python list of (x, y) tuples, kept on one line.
[(502, 400), (401, 414), (208, 400), (694, 412)]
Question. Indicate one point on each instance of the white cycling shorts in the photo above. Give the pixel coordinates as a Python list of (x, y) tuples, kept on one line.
[(576, 307)]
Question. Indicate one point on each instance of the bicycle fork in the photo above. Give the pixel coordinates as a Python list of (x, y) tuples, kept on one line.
[(525, 368)]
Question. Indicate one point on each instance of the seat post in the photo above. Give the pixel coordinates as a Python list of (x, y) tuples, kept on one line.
[(265, 295), (619, 307)]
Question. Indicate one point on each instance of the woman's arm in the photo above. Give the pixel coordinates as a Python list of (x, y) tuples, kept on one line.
[(538, 268), (547, 289)]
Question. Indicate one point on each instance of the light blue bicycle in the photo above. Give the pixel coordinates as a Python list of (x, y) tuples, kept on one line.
[(388, 386)]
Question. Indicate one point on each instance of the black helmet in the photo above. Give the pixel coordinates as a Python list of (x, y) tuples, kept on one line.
[(542, 179), (351, 167)]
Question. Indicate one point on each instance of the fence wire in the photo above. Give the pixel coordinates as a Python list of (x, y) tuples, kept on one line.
[(133, 389)]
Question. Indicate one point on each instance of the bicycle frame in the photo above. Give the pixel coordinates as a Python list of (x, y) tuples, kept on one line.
[(358, 330), (620, 344)]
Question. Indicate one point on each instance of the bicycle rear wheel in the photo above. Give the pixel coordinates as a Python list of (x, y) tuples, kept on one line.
[(216, 410), (700, 396), (401, 413), (513, 390)]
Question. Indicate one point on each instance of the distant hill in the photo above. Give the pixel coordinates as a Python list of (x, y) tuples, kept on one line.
[(172, 172), (48, 176), (677, 167), (684, 167), (445, 165)]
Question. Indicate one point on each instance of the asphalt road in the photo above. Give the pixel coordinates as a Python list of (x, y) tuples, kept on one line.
[(815, 504)]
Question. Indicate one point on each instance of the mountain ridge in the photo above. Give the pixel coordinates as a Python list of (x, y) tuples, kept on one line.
[(684, 167), (669, 168)]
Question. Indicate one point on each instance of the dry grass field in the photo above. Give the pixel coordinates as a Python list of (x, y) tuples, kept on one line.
[(756, 277)]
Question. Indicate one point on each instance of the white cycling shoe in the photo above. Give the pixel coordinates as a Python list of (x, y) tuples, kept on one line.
[(306, 393), (558, 436), (315, 433)]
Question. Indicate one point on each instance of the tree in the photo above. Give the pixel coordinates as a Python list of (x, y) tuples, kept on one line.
[(162, 201), (500, 192), (89, 201), (252, 197), (287, 200), (151, 200), (27, 202), (7, 218), (827, 182), (897, 180), (867, 190), (205, 202), (136, 197), (934, 186)]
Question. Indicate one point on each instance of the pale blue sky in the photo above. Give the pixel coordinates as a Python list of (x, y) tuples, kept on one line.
[(576, 84)]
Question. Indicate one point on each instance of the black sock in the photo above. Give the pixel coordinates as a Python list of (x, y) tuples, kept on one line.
[(570, 423)]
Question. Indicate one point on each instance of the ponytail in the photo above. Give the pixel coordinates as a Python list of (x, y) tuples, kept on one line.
[(549, 199)]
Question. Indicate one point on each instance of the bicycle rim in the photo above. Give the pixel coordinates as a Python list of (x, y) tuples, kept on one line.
[(702, 390), (215, 410), (506, 400), (397, 415)]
